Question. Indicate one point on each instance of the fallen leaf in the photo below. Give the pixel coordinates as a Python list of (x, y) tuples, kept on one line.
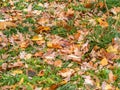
[(50, 62), (88, 5), (24, 44), (111, 76), (49, 45), (38, 54), (17, 72), (88, 80), (4, 25), (111, 49), (41, 29), (102, 22), (37, 38), (53, 87), (58, 63), (41, 73), (15, 65), (115, 10), (57, 46), (101, 4), (29, 9), (104, 62), (28, 56), (4, 66), (66, 72)]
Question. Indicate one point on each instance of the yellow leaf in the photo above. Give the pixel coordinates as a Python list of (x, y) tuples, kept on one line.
[(108, 87), (49, 44), (104, 62), (41, 29), (37, 37), (102, 22), (111, 49), (17, 72)]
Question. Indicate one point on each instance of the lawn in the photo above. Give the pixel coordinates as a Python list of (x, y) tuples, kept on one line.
[(59, 45)]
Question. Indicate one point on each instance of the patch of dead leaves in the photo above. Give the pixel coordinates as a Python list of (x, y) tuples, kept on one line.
[(4, 25)]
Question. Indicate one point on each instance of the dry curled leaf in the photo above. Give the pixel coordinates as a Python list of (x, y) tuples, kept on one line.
[(41, 73), (41, 29)]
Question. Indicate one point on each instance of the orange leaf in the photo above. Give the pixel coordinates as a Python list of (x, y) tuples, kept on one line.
[(57, 46), (102, 22), (58, 63), (38, 54), (88, 5), (41, 73), (104, 62), (101, 4), (4, 25)]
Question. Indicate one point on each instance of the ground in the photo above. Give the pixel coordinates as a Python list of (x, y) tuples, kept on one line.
[(60, 45)]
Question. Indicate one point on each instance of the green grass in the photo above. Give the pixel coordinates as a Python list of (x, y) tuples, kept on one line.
[(99, 36), (102, 37), (67, 86)]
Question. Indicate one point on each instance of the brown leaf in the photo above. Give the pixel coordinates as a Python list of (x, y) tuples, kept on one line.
[(53, 87), (66, 72), (41, 29), (88, 5), (4, 25), (57, 46), (38, 54), (16, 64), (41, 73), (58, 63), (24, 44)]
